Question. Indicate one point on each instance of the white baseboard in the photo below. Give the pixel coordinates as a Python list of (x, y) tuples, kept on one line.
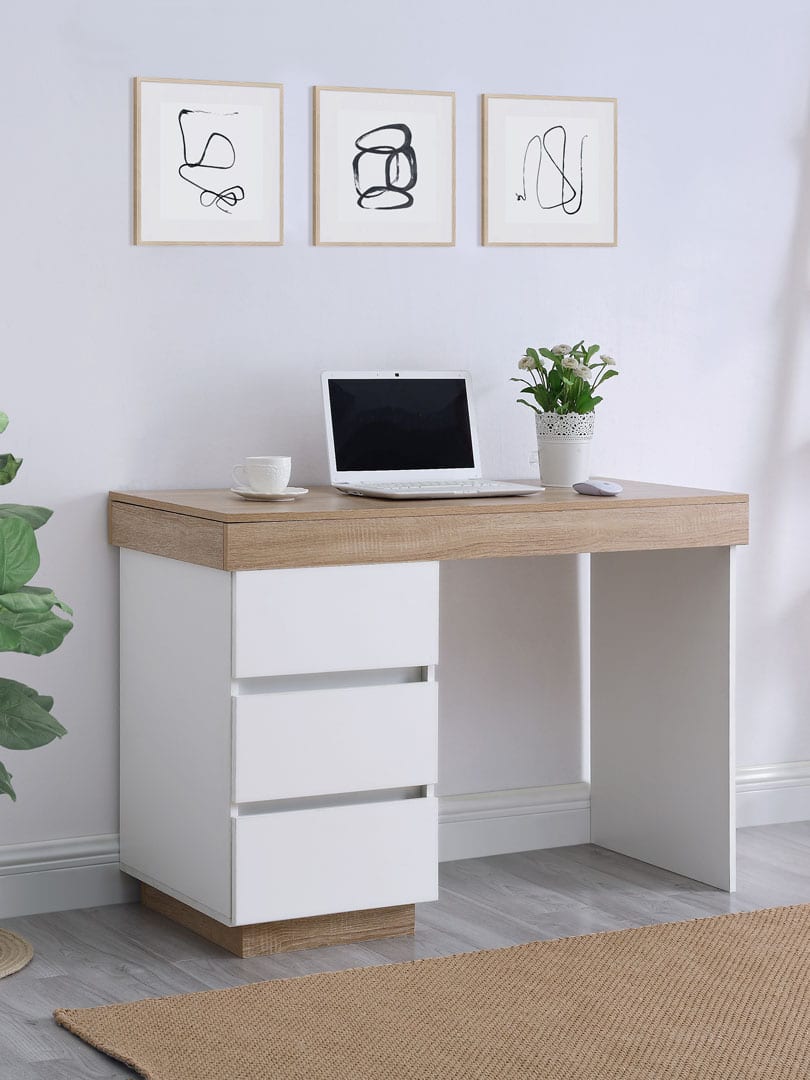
[(773, 794), (56, 875), (524, 819)]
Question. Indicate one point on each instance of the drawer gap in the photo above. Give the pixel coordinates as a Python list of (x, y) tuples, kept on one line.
[(330, 680), (321, 802)]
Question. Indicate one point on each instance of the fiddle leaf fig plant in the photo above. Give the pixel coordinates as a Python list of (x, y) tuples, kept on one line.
[(29, 623)]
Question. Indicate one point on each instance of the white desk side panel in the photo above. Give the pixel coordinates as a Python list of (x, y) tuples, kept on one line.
[(662, 727), (175, 728)]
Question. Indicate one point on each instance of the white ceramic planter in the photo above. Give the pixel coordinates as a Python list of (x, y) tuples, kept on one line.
[(564, 447)]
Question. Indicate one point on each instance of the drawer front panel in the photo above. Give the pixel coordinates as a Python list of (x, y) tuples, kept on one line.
[(345, 858), (321, 742), (335, 618)]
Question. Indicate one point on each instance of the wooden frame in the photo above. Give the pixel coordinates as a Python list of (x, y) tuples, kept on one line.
[(486, 223), (138, 161), (317, 230)]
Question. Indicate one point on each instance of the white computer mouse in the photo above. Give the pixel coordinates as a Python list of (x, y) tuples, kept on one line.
[(598, 487)]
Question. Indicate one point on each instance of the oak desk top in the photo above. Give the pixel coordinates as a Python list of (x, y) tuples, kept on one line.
[(326, 528)]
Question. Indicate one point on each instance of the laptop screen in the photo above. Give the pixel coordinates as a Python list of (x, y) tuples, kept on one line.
[(392, 425)]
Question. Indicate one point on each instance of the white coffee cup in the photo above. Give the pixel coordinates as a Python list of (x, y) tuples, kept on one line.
[(265, 475)]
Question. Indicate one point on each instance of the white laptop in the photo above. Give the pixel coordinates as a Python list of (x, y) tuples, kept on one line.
[(405, 435)]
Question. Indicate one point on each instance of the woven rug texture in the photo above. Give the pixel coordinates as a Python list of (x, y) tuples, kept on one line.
[(725, 998), (15, 953)]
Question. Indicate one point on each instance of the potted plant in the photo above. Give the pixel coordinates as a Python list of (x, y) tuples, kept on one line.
[(561, 389), (29, 623)]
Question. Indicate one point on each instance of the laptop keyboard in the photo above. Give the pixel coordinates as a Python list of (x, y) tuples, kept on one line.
[(456, 485), (472, 486)]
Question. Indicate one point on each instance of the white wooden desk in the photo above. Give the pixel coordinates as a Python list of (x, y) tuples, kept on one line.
[(278, 697)]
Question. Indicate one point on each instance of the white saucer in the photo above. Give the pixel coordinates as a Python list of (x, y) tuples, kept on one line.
[(260, 496)]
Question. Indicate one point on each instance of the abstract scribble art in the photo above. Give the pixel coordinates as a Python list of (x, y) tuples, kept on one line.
[(384, 167), (207, 152), (208, 166), (549, 170)]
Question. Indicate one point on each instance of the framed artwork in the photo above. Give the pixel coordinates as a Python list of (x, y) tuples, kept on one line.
[(208, 162), (384, 166), (549, 170)]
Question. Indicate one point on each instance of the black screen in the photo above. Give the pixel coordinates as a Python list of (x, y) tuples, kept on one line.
[(393, 424)]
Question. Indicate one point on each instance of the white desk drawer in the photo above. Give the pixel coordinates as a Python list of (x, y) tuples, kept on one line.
[(342, 858), (335, 618), (320, 742)]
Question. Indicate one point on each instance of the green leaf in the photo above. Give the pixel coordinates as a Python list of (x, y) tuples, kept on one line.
[(42, 699), (612, 373), (9, 638), (593, 349), (32, 598), (25, 722), (5, 776), (528, 404), (549, 355), (3, 422), (9, 467), (19, 554), (533, 354), (40, 632), (34, 515)]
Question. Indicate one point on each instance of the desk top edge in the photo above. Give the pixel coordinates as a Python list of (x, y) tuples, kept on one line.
[(220, 505)]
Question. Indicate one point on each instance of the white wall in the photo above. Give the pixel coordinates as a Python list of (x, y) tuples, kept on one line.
[(129, 367)]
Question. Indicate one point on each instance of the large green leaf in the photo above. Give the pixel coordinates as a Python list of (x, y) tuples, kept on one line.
[(9, 638), (5, 777), (40, 632), (32, 598), (19, 555), (9, 467), (34, 515), (25, 722), (3, 422)]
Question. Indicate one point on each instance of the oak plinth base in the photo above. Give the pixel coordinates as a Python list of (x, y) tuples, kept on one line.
[(262, 939)]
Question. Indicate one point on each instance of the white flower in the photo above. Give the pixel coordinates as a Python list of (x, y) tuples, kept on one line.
[(570, 362), (607, 360), (582, 371), (561, 350), (525, 363)]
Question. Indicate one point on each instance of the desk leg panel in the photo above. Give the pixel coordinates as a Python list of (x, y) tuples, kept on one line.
[(662, 719)]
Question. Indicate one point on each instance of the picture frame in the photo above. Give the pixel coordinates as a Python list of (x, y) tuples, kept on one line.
[(384, 166), (208, 162), (549, 171)]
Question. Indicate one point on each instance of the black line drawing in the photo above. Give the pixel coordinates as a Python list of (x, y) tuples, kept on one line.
[(568, 192), (392, 190), (217, 153)]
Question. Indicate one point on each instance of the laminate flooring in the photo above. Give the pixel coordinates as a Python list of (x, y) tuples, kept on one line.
[(98, 956)]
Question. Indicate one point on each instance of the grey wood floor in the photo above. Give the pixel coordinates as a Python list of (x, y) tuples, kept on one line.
[(120, 953)]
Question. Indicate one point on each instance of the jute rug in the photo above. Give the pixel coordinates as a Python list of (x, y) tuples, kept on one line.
[(15, 953), (726, 998)]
